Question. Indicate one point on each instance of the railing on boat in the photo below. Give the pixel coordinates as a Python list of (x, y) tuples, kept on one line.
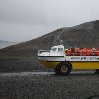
[(41, 51)]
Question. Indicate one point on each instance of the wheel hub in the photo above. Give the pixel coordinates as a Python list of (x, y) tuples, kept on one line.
[(64, 68)]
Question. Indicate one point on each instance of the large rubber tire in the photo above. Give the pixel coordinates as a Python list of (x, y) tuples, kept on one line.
[(63, 68), (97, 71)]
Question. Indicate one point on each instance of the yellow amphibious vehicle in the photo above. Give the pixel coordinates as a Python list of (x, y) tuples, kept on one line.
[(65, 60)]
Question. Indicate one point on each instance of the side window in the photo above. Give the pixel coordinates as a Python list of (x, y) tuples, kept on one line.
[(60, 49)]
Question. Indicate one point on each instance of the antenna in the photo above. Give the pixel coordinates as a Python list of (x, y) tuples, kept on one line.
[(61, 42)]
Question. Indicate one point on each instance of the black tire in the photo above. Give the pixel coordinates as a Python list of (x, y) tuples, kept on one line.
[(63, 68), (97, 71)]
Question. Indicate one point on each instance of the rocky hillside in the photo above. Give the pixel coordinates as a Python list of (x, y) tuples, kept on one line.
[(83, 35), (23, 56)]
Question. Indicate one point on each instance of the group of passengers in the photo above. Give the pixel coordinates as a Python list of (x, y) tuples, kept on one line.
[(82, 51)]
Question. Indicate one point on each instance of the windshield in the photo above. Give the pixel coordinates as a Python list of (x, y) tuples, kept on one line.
[(54, 49)]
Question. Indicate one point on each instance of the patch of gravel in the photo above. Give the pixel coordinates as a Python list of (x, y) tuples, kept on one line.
[(21, 65), (73, 86)]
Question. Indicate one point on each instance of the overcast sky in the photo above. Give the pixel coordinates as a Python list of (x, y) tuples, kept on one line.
[(22, 20)]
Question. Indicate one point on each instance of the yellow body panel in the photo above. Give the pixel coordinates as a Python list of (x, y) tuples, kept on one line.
[(85, 65), (75, 65), (49, 64)]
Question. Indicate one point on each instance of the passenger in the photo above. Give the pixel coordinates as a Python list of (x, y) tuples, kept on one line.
[(66, 50), (87, 51), (68, 53), (84, 52), (80, 51), (93, 51), (97, 52), (72, 51), (76, 51)]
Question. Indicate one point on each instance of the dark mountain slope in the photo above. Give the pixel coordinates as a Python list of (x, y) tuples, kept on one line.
[(30, 47), (84, 35), (24, 55)]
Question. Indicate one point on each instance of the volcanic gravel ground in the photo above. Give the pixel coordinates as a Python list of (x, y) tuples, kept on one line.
[(49, 86), (21, 65)]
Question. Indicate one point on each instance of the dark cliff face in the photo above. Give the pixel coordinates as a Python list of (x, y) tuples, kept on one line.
[(84, 35)]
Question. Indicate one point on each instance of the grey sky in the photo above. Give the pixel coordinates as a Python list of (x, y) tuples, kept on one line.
[(22, 20)]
